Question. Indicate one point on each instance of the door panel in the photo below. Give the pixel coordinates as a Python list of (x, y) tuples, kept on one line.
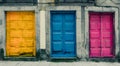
[(106, 52), (101, 34), (57, 46), (57, 36), (95, 43), (107, 35), (95, 35), (68, 36), (63, 34), (69, 33), (68, 25), (20, 34), (68, 46), (95, 52), (57, 26), (107, 42)]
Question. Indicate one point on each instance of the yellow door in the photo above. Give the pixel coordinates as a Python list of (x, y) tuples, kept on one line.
[(20, 34)]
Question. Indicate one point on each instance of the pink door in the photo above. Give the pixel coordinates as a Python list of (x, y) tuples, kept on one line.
[(101, 34)]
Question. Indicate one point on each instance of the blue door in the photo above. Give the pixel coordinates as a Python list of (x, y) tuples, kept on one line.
[(63, 34)]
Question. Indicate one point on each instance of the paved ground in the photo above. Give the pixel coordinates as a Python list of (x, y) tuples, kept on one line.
[(45, 63)]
